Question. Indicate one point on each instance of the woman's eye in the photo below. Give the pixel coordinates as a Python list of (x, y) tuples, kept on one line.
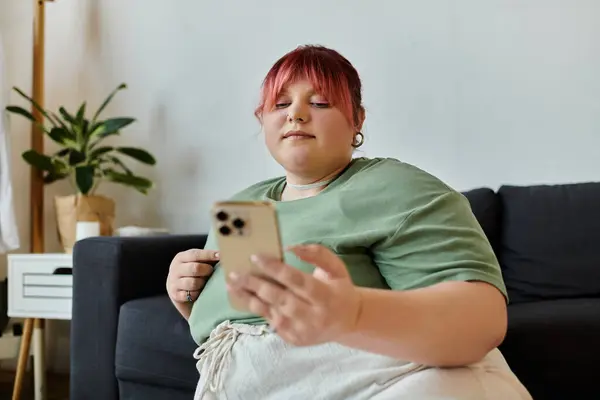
[(281, 105), (321, 105)]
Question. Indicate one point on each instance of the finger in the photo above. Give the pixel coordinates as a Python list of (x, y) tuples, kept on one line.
[(290, 337), (181, 295), (300, 283), (198, 255), (277, 297), (286, 302), (253, 302), (196, 269), (322, 258), (188, 283), (268, 291), (278, 322), (285, 328), (293, 307)]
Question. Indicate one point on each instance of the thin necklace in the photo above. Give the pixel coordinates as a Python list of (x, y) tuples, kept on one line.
[(310, 185)]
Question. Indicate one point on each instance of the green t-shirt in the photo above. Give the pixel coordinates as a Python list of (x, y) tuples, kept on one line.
[(394, 225)]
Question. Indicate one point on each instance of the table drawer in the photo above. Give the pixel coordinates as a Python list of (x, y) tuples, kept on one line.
[(40, 286), (47, 280), (47, 292)]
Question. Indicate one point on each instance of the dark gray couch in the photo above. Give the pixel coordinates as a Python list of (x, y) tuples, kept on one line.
[(128, 342)]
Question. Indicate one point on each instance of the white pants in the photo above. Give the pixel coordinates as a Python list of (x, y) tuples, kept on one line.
[(249, 363)]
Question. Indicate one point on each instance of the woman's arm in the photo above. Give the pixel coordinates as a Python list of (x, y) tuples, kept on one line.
[(446, 306), (447, 324), (185, 309)]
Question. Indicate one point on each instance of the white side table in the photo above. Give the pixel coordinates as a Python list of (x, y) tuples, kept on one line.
[(40, 286)]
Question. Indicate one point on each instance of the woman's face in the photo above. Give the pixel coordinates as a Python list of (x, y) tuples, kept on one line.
[(305, 134)]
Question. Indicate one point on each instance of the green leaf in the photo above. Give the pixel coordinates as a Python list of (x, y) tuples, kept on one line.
[(51, 177), (121, 164), (99, 152), (107, 128), (85, 131), (60, 136), (141, 155), (36, 105), (66, 116), (84, 177), (21, 111), (108, 100), (115, 124), (95, 129), (80, 114), (139, 183), (62, 124), (76, 157), (38, 160), (60, 166), (62, 153)]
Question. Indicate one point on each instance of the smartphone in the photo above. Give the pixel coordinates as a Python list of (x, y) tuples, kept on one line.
[(244, 228)]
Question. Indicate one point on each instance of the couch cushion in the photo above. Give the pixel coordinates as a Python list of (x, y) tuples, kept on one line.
[(550, 245), (486, 208), (553, 347), (154, 345)]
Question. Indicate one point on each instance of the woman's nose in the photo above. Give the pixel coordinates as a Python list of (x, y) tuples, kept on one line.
[(297, 113), (294, 118)]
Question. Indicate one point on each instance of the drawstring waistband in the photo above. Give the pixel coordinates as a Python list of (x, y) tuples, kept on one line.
[(215, 352)]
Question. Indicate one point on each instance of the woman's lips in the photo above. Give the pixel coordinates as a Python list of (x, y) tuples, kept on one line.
[(298, 135)]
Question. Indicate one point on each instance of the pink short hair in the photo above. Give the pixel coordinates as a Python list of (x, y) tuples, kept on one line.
[(330, 73)]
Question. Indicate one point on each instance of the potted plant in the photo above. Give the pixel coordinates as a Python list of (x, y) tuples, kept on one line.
[(85, 162)]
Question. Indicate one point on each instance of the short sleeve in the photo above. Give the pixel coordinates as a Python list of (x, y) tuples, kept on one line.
[(438, 241)]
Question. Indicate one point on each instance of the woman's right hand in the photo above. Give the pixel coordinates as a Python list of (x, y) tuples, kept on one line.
[(189, 272)]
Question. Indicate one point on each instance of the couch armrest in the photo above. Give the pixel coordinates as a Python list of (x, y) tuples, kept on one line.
[(107, 272)]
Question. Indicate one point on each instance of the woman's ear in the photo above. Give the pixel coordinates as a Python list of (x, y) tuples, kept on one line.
[(360, 119)]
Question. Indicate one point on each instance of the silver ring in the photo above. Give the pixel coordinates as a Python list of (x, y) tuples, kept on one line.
[(188, 296)]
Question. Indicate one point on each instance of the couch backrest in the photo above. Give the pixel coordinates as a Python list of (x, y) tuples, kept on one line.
[(546, 237), (485, 204), (550, 245)]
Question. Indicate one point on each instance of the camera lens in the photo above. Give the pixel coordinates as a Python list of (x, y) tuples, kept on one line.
[(222, 216), (238, 223), (225, 230)]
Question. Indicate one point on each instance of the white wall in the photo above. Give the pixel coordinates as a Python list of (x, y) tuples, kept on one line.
[(479, 92)]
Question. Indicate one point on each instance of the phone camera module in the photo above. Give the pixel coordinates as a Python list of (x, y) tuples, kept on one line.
[(239, 223), (222, 216), (225, 230)]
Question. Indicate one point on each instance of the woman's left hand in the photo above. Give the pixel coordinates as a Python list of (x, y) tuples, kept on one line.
[(304, 309)]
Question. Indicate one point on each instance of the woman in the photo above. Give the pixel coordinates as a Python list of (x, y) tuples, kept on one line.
[(389, 288)]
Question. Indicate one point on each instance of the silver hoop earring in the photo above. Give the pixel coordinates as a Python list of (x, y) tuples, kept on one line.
[(359, 139)]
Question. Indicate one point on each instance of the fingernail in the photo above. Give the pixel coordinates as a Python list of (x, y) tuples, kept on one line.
[(217, 255), (254, 258), (234, 276)]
